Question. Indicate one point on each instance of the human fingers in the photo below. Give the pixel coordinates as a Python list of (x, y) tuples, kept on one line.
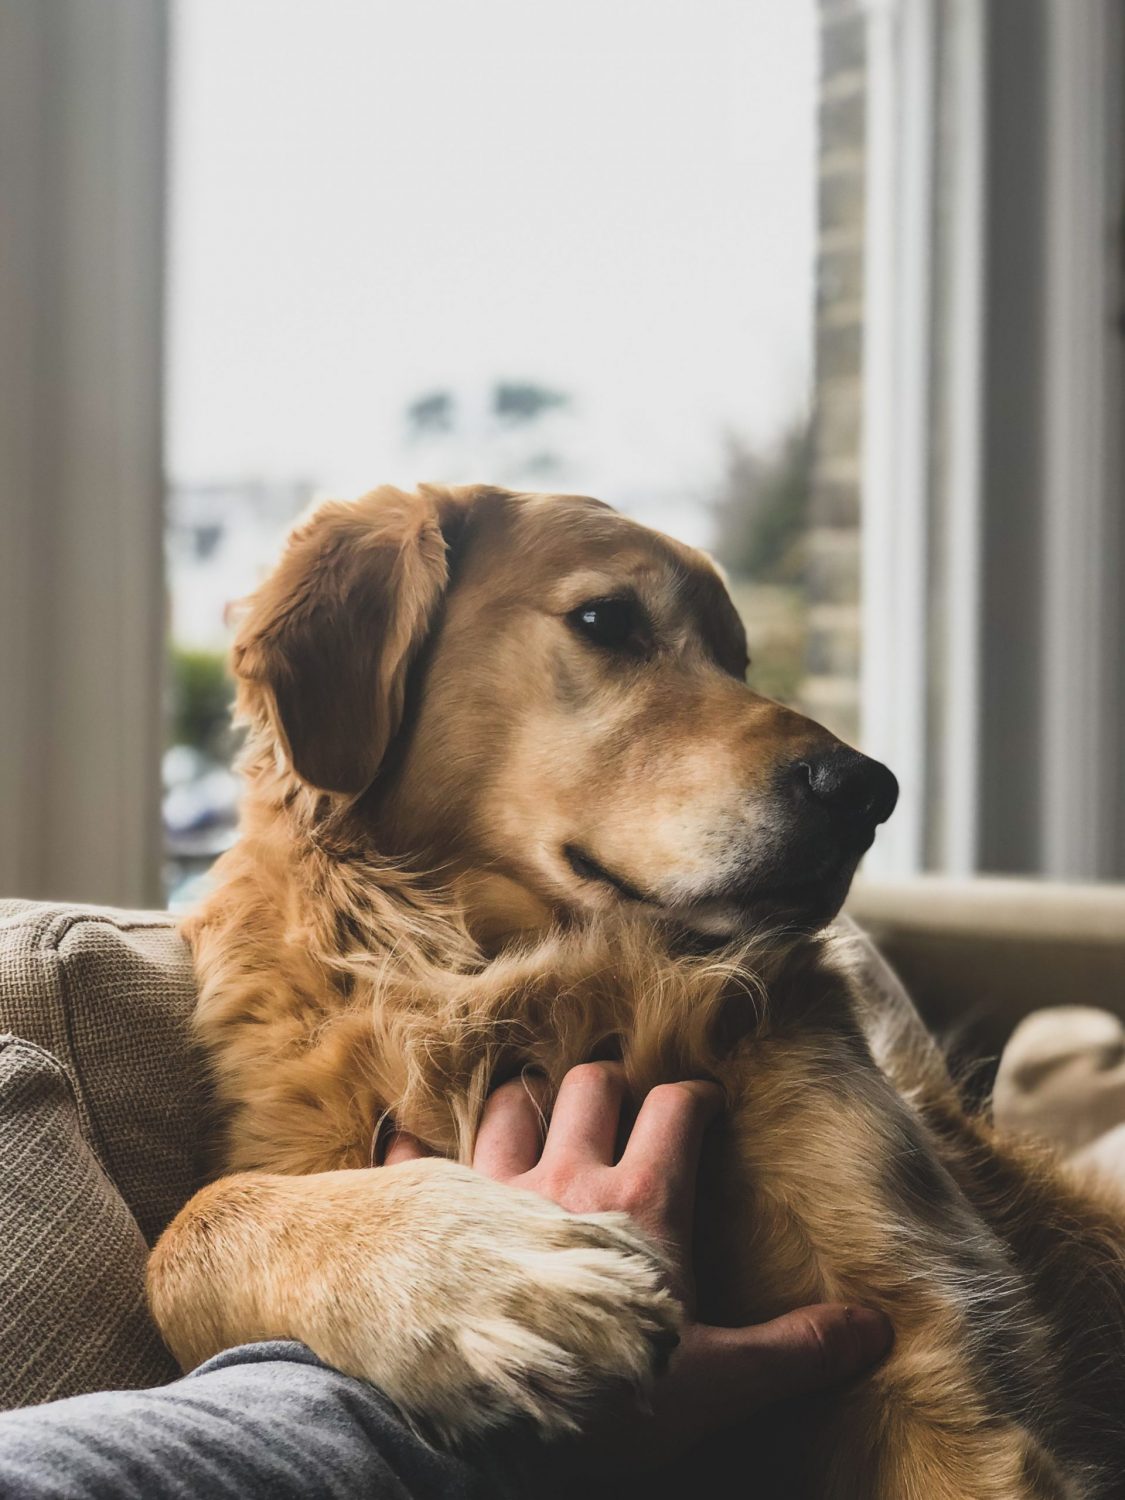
[(814, 1347), (663, 1149), (719, 1377), (585, 1119), (722, 1375), (402, 1146), (511, 1129)]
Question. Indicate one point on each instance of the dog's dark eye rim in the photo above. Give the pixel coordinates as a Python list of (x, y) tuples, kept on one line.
[(613, 622)]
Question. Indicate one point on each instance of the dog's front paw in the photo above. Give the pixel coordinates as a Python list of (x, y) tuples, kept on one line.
[(491, 1304)]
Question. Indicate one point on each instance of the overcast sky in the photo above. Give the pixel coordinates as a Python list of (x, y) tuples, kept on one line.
[(374, 199)]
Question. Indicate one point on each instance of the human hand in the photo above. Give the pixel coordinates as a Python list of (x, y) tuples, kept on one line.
[(717, 1376)]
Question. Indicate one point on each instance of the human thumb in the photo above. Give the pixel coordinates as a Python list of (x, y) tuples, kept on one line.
[(808, 1350)]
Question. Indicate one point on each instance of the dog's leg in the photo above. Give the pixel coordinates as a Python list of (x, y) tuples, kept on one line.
[(1065, 1229), (469, 1303), (830, 1187)]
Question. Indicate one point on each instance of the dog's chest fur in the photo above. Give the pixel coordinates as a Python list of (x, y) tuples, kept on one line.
[(822, 1183)]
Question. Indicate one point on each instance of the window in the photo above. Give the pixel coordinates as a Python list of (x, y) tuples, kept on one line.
[(562, 246), (832, 286)]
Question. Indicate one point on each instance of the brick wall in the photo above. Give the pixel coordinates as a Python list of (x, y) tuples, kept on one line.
[(830, 692)]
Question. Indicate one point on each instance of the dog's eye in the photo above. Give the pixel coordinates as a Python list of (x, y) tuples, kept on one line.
[(607, 622)]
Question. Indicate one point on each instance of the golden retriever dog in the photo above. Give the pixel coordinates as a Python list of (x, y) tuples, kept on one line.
[(510, 803)]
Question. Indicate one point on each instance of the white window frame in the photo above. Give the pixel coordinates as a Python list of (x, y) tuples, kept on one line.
[(934, 689)]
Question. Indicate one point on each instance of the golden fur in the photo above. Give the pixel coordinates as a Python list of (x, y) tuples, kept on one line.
[(396, 930)]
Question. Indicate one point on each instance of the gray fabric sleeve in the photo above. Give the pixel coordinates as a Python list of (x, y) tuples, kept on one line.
[(264, 1420)]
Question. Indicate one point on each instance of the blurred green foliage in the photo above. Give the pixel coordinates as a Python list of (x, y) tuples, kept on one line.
[(775, 620), (763, 507), (525, 400), (762, 517), (201, 696)]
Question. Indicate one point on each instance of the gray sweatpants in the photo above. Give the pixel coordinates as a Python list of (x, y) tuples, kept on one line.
[(261, 1422)]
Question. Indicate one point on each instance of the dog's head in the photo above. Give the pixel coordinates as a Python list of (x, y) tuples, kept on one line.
[(549, 698)]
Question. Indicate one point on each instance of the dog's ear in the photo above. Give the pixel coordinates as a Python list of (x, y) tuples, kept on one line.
[(326, 643)]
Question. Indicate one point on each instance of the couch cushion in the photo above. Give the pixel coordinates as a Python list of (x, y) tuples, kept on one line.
[(72, 1310), (110, 993)]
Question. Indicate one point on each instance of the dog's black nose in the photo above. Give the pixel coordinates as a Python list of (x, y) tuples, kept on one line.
[(852, 787)]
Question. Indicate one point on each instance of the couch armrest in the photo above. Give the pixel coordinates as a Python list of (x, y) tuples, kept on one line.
[(110, 994), (978, 955)]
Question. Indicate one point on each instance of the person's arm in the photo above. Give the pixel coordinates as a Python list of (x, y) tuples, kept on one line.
[(272, 1420), (264, 1421)]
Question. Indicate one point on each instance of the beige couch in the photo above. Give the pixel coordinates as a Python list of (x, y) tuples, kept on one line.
[(102, 1100), (104, 1110), (977, 956)]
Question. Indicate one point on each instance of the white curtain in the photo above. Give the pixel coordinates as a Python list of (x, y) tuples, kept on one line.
[(82, 137)]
